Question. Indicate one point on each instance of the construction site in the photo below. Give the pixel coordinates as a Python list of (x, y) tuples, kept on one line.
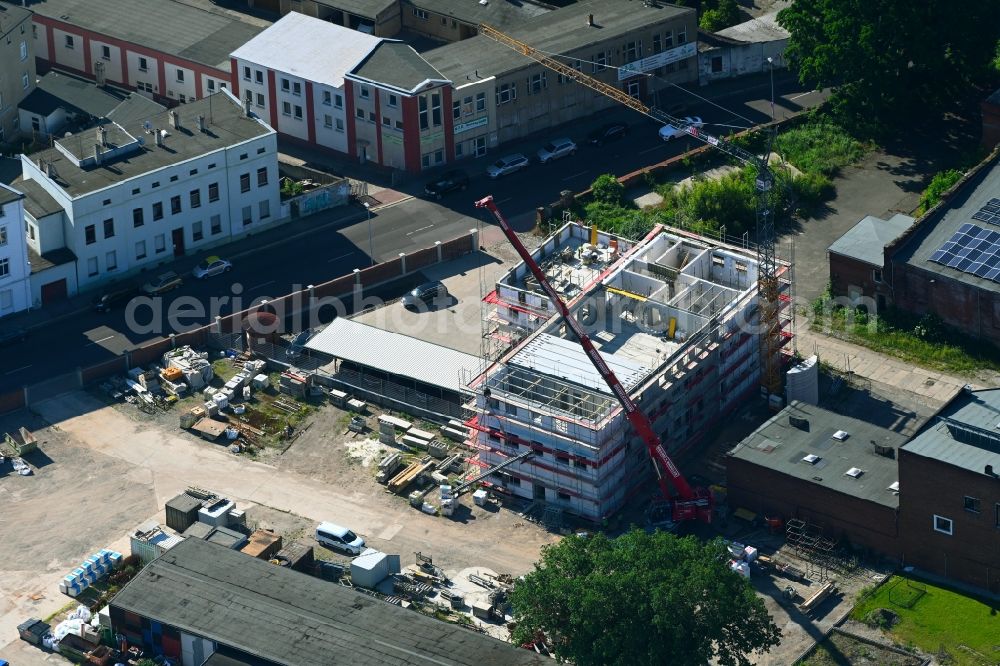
[(674, 315)]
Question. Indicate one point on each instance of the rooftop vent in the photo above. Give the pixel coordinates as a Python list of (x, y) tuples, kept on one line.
[(854, 472), (798, 422), (884, 451), (590, 19), (174, 119), (894, 487), (812, 459), (840, 435)]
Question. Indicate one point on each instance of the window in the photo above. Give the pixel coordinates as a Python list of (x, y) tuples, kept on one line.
[(216, 224), (247, 215), (25, 81), (245, 182), (439, 157), (600, 62), (286, 85), (386, 121), (105, 53), (159, 244), (136, 190), (425, 161), (971, 504), (158, 211), (562, 457), (243, 156), (668, 39), (211, 165), (180, 76), (69, 41), (286, 108), (942, 525), (327, 98), (264, 208), (327, 121), (258, 76), (579, 463), (360, 113), (467, 105), (393, 101), (262, 177), (481, 102), (340, 125), (260, 100), (338, 101), (371, 116), (109, 229), (298, 112), (261, 150), (877, 275), (456, 109), (681, 36), (211, 85), (633, 50), (537, 83), (436, 109), (246, 73), (140, 250), (399, 125), (137, 218), (173, 179), (3, 236), (143, 65), (92, 266), (193, 172), (716, 64), (507, 92), (195, 198), (420, 14), (657, 43), (562, 496), (175, 205), (364, 92), (24, 50), (142, 85), (196, 233), (422, 110), (296, 88), (112, 260)]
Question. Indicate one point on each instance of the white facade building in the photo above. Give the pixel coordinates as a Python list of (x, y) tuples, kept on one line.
[(15, 290), (293, 74), (144, 193)]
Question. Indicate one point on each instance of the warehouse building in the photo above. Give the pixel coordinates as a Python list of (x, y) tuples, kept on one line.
[(203, 604), (673, 316)]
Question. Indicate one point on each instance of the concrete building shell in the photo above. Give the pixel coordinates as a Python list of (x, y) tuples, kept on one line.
[(673, 315)]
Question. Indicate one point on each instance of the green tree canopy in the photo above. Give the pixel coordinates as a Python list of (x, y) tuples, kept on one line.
[(641, 599), (893, 60)]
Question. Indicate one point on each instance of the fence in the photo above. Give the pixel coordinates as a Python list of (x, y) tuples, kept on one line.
[(396, 396), (225, 333)]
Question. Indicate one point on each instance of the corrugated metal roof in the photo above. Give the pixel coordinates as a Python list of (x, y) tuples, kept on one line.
[(395, 353), (973, 449), (866, 240), (558, 357)]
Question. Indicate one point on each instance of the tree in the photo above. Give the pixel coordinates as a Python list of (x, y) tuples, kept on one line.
[(892, 60), (641, 599), (724, 14), (607, 189)]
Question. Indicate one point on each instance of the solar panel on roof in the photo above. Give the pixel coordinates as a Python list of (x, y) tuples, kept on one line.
[(981, 270), (972, 249), (989, 212)]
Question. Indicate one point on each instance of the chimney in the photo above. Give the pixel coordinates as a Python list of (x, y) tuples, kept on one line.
[(47, 168), (102, 136), (246, 108), (99, 74), (989, 470), (97, 154), (175, 121), (590, 20), (159, 137), (201, 123)]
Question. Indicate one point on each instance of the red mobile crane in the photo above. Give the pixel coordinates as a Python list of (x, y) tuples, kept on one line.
[(689, 503)]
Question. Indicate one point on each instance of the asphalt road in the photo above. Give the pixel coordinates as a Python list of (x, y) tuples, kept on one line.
[(344, 239)]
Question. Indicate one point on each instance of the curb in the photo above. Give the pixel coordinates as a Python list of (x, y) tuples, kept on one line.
[(408, 197)]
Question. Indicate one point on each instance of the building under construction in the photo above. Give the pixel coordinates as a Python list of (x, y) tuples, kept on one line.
[(674, 315)]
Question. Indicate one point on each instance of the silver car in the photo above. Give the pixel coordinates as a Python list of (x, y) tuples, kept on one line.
[(555, 149), (507, 165)]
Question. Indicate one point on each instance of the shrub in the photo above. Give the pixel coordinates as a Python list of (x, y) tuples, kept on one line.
[(940, 183), (810, 190), (723, 15), (607, 189), (820, 146)]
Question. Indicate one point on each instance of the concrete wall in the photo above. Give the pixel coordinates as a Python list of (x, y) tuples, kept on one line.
[(772, 493), (15, 288), (971, 553), (15, 40)]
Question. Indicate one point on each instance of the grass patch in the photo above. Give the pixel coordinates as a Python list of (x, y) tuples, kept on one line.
[(921, 340), (957, 629), (224, 369), (820, 146), (841, 650)]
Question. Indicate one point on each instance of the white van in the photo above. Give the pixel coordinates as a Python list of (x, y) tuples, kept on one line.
[(339, 538)]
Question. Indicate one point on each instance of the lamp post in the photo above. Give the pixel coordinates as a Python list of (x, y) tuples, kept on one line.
[(371, 246), (770, 63)]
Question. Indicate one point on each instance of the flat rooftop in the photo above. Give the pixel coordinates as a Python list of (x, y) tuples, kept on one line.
[(966, 432), (175, 28), (11, 16), (9, 194), (308, 47), (37, 201), (563, 30), (75, 94), (782, 446), (290, 618), (501, 15), (225, 125), (931, 233)]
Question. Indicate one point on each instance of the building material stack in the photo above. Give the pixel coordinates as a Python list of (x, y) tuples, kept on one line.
[(294, 384), (399, 482), (193, 365)]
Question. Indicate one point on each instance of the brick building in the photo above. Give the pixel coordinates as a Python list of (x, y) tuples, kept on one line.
[(949, 518), (857, 260), (794, 467)]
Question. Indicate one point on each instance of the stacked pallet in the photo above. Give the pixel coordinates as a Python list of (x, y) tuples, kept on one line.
[(399, 482)]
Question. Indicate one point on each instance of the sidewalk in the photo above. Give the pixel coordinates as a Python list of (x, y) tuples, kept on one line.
[(275, 235), (929, 386)]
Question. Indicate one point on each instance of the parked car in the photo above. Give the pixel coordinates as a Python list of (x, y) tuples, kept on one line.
[(555, 149), (608, 132), (425, 293), (211, 266), (298, 344), (12, 335), (330, 535), (507, 165), (447, 182), (113, 297), (163, 282), (668, 132)]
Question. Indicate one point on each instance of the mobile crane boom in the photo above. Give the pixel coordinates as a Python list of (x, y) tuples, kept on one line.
[(690, 502)]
